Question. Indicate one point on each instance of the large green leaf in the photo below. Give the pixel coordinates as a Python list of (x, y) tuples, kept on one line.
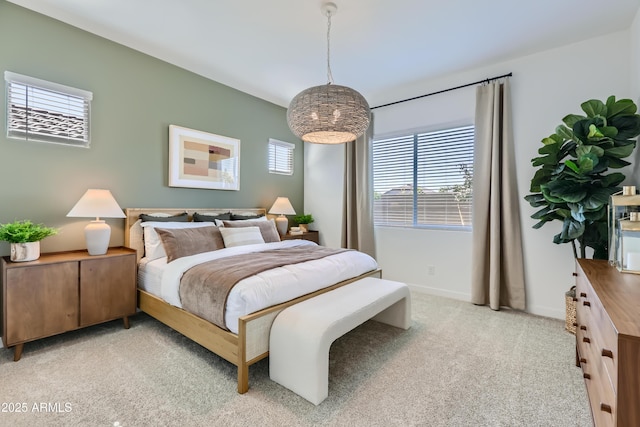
[(612, 180), (550, 148), (617, 163), (601, 167), (621, 107), (549, 159), (571, 119), (619, 152), (596, 215), (594, 107), (587, 162), (609, 131), (628, 126), (536, 200), (541, 213), (552, 139), (586, 149), (547, 195), (541, 176), (597, 198), (578, 216), (564, 132), (571, 229), (567, 191)]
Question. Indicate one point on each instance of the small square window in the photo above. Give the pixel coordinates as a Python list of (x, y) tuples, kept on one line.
[(280, 157)]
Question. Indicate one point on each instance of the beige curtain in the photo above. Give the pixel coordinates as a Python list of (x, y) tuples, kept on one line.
[(357, 220), (497, 259)]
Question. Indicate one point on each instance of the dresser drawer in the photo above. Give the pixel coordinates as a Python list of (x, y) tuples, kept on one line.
[(595, 323), (606, 351), (603, 401), (601, 394)]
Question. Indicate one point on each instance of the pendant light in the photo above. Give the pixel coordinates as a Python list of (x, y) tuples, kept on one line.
[(328, 114)]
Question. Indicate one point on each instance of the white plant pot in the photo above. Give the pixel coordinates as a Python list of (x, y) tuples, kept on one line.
[(21, 252)]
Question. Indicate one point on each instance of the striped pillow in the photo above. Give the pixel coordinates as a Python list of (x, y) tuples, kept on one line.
[(241, 236)]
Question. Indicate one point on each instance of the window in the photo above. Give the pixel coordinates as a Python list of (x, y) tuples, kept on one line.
[(280, 157), (38, 110), (439, 165)]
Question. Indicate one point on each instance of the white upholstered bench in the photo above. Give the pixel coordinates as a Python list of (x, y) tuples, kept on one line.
[(302, 334)]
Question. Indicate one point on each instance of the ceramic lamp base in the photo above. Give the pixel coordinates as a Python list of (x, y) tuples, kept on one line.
[(97, 235), (282, 223)]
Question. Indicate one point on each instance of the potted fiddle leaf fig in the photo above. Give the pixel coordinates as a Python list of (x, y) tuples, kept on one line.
[(24, 237), (573, 182)]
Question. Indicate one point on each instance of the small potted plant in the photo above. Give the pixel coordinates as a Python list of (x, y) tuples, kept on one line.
[(303, 221), (25, 237)]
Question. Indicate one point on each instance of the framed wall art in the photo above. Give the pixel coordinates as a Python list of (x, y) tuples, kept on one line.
[(203, 160)]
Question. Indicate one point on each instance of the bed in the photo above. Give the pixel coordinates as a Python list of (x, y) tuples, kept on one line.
[(242, 344)]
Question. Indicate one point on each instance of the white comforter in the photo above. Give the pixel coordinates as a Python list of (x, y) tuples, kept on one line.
[(272, 286)]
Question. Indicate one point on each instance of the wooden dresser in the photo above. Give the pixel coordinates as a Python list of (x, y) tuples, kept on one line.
[(63, 291), (608, 341)]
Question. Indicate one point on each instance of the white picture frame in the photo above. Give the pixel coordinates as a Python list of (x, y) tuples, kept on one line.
[(200, 159)]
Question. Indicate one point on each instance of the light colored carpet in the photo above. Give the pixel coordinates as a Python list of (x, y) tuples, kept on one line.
[(459, 365)]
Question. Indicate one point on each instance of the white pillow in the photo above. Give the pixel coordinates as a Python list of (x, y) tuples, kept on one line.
[(153, 248), (219, 222), (241, 236)]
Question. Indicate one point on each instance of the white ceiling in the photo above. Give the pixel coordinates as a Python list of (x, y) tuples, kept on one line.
[(273, 49)]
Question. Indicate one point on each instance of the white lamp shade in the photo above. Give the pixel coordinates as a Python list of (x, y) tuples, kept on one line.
[(95, 204), (282, 206)]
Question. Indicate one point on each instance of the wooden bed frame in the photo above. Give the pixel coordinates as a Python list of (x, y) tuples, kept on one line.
[(251, 344)]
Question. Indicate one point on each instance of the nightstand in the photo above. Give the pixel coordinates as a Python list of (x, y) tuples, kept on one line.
[(309, 235), (63, 291)]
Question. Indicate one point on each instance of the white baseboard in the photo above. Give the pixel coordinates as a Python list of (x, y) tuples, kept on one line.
[(538, 311), (422, 289), (547, 312)]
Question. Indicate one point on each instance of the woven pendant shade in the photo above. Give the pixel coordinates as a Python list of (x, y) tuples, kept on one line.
[(328, 114)]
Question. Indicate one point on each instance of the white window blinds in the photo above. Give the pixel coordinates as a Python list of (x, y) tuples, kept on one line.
[(439, 165), (38, 110), (281, 157)]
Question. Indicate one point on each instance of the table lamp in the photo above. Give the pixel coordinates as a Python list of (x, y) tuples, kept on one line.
[(97, 203), (282, 206)]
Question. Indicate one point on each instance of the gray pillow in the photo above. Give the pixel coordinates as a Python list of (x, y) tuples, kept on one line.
[(183, 217), (235, 217), (181, 242), (198, 217)]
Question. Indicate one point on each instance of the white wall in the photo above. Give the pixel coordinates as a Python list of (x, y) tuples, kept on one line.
[(635, 58), (324, 190), (545, 87)]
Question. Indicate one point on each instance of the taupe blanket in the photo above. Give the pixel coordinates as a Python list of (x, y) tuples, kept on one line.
[(204, 288)]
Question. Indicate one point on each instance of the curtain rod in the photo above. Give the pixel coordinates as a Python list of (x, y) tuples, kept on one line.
[(444, 90)]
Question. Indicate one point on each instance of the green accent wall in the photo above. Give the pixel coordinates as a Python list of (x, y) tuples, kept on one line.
[(135, 99)]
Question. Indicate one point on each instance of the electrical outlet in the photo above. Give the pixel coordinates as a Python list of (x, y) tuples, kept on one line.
[(431, 270)]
